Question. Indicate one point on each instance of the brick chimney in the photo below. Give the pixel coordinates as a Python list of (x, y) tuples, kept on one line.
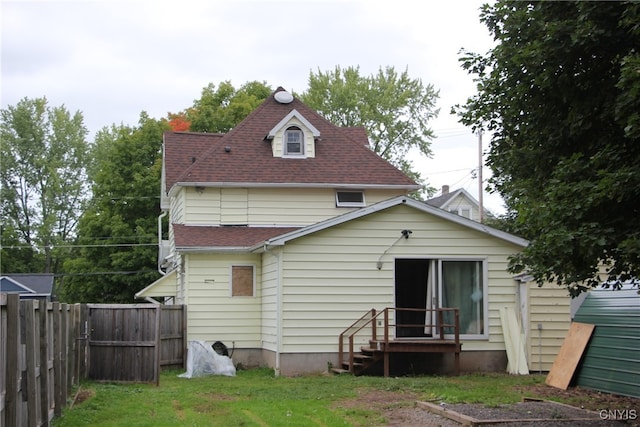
[(445, 189)]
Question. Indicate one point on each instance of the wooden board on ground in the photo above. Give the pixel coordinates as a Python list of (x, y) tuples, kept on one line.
[(569, 356)]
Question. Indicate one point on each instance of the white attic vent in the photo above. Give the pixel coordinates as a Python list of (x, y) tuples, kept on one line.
[(283, 97)]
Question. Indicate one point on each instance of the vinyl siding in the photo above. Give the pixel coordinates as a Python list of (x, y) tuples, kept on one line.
[(549, 306), (213, 313), (309, 141), (330, 277), (267, 206), (270, 275)]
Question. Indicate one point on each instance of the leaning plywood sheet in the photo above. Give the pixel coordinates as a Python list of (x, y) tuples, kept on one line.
[(569, 356), (513, 342)]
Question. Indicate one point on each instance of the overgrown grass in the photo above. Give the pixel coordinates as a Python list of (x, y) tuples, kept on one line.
[(257, 398)]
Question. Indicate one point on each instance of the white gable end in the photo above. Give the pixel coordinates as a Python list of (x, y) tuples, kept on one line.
[(294, 120)]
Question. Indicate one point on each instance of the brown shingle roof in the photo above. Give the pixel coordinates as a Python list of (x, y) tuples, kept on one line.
[(342, 155), (230, 236)]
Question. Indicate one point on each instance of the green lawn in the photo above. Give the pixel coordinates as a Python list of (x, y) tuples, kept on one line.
[(257, 398)]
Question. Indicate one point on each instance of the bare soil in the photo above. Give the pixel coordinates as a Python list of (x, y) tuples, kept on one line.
[(586, 408)]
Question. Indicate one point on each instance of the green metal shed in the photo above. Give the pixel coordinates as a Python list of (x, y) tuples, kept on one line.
[(611, 362)]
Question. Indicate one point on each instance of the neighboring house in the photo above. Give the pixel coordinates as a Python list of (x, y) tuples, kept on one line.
[(286, 230), (459, 202), (29, 286)]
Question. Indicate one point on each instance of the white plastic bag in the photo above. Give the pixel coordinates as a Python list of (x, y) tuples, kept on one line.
[(202, 360)]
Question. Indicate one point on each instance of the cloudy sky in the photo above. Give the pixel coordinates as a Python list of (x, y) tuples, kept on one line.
[(113, 59)]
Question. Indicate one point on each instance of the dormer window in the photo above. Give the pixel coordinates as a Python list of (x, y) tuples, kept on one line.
[(293, 142)]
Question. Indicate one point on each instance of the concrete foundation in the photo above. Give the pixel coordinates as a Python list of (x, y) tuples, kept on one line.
[(401, 364)]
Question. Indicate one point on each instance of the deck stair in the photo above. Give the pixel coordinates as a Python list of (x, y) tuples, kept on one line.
[(379, 347)]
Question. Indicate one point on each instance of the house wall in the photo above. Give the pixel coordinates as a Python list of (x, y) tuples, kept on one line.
[(548, 322), (264, 206), (330, 278), (213, 314)]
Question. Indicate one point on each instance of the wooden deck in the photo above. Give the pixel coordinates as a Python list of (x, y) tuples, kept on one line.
[(383, 342)]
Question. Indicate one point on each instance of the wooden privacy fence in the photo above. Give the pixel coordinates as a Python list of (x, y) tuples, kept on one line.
[(136, 339), (47, 348)]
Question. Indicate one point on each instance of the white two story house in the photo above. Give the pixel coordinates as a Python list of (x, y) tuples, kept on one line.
[(287, 229)]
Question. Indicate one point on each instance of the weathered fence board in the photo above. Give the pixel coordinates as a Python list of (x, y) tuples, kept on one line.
[(46, 348)]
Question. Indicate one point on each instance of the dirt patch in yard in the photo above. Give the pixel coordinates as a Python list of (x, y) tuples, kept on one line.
[(587, 408)]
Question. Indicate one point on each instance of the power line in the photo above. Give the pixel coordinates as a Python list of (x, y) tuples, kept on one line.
[(109, 245)]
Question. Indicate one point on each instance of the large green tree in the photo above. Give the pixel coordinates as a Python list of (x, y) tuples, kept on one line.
[(117, 245), (219, 110), (560, 95), (394, 108), (43, 184)]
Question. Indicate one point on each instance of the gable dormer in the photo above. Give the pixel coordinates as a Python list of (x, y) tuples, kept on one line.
[(293, 137)]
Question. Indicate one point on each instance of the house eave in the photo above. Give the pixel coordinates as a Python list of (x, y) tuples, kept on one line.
[(223, 184), (281, 240), (214, 249)]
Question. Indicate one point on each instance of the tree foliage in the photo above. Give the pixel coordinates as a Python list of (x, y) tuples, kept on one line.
[(559, 93), (219, 110), (43, 183), (394, 109), (118, 238)]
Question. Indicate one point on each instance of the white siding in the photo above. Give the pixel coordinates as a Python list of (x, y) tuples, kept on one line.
[(213, 314), (268, 206), (202, 207), (234, 206), (330, 278), (309, 142), (549, 308), (270, 280)]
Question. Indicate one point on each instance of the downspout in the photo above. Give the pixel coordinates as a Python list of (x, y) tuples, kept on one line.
[(278, 311), (162, 215)]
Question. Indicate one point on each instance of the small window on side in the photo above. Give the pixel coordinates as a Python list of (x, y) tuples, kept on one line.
[(242, 281), (350, 199), (293, 142)]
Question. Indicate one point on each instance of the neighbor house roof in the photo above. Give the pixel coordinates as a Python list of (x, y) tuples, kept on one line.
[(445, 199), (33, 285), (244, 156)]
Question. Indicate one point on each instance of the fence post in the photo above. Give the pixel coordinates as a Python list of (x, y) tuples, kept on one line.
[(29, 344), (45, 397), (57, 360), (14, 375), (67, 365)]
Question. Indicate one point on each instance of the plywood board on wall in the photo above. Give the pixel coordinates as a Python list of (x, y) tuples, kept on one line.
[(569, 356)]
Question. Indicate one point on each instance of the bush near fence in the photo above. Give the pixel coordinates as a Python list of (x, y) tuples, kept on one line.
[(46, 351)]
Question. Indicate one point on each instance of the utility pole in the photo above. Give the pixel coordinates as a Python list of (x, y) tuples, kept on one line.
[(480, 190)]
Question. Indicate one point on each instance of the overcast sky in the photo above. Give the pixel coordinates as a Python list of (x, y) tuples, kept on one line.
[(112, 60)]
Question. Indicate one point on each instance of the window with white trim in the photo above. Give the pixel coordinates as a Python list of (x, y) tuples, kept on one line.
[(350, 199), (242, 281), (293, 142)]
